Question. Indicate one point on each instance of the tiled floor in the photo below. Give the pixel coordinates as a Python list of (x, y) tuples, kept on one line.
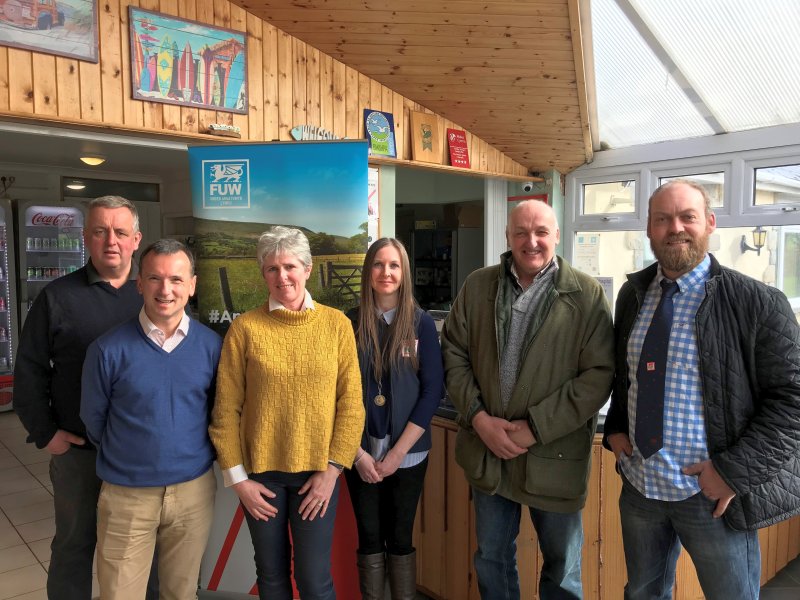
[(27, 527)]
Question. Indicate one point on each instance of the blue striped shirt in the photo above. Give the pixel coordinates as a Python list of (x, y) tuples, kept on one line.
[(660, 477)]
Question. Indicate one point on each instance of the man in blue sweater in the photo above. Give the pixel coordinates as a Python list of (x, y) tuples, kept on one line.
[(147, 391)]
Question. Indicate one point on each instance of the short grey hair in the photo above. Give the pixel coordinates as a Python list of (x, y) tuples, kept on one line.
[(167, 246), (283, 240), (688, 182), (117, 202)]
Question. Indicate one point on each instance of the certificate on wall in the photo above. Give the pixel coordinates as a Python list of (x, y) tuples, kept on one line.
[(426, 138), (379, 130), (459, 150)]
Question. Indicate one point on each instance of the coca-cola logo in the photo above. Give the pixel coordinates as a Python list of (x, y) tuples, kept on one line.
[(59, 220)]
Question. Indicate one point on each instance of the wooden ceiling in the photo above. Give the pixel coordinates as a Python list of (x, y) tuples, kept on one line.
[(509, 71)]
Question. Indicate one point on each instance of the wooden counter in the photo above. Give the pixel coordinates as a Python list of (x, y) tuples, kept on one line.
[(444, 534)]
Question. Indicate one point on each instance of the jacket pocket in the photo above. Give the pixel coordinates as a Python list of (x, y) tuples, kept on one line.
[(475, 459), (560, 469)]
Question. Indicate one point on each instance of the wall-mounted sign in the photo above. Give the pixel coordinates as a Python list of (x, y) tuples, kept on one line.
[(379, 130)]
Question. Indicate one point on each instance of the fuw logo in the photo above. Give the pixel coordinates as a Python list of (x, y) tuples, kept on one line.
[(226, 183)]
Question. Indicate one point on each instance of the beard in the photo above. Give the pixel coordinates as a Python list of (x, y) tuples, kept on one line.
[(680, 259)]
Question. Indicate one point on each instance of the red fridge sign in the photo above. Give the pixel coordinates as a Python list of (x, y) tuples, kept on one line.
[(459, 151)]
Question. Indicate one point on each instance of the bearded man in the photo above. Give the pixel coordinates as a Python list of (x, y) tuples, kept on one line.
[(705, 411)]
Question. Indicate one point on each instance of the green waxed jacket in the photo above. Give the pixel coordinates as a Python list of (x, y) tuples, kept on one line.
[(565, 377)]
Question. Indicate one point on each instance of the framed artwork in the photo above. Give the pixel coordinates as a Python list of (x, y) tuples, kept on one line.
[(426, 138), (183, 62), (379, 130), (60, 27)]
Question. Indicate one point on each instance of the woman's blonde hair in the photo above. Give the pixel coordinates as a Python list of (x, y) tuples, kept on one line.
[(401, 335)]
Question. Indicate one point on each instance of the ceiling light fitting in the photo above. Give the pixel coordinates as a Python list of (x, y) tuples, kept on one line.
[(76, 185), (93, 160)]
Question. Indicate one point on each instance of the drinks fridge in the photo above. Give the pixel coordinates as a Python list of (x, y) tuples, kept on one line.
[(8, 313), (53, 247)]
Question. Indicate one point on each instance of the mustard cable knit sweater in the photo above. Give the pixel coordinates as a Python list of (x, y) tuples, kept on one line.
[(288, 392)]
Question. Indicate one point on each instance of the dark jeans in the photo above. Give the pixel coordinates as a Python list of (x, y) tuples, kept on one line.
[(560, 540), (385, 511), (76, 489), (312, 541), (728, 562)]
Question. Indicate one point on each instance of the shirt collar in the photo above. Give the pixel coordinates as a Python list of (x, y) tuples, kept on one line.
[(94, 277), (387, 316), (308, 304), (148, 327), (694, 278), (513, 270)]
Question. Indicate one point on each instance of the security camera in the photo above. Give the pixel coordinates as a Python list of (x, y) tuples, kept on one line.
[(527, 186)]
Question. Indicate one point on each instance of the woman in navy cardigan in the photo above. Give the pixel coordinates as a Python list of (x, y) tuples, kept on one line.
[(403, 382)]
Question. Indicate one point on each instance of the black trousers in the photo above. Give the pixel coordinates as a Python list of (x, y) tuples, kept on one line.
[(385, 511)]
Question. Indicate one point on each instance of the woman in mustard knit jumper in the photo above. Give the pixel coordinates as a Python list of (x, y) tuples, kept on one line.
[(287, 419)]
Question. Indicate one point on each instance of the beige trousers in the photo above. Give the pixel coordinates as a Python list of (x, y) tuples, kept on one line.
[(131, 521)]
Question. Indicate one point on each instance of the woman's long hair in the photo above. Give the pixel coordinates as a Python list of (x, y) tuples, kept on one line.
[(399, 342)]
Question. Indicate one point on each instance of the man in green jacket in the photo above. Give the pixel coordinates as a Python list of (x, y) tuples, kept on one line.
[(529, 360)]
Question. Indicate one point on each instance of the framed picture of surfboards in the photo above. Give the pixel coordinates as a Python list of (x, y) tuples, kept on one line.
[(188, 63)]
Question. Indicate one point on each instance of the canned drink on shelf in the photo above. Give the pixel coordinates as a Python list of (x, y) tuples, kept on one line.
[(37, 243), (54, 243), (45, 243), (31, 272), (29, 243), (39, 273)]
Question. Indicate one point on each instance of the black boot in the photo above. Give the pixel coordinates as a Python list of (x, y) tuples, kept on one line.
[(371, 575), (403, 576)]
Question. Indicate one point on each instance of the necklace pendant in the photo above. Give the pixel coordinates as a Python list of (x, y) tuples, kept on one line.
[(379, 400)]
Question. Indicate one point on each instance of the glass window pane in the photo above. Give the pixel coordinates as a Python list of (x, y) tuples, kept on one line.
[(777, 185), (713, 183), (604, 198), (614, 254)]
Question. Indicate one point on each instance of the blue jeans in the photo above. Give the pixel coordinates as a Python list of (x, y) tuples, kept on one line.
[(312, 541), (728, 562), (560, 540)]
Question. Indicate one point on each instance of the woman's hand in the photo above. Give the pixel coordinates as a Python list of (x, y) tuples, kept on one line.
[(389, 463), (252, 494), (366, 469), (318, 490)]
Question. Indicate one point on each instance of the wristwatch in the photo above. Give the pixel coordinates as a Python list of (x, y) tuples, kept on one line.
[(339, 467)]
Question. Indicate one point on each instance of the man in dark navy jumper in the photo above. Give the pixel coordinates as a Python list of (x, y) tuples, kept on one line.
[(67, 315)]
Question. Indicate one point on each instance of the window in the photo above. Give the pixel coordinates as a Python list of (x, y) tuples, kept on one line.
[(613, 197), (713, 183), (777, 185), (788, 264)]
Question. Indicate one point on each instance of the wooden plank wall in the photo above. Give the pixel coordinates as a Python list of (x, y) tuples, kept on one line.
[(445, 534), (290, 83)]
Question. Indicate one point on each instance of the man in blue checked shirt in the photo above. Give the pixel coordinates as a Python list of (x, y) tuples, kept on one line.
[(711, 428)]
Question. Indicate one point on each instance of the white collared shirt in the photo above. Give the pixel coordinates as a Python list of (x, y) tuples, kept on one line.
[(168, 344), (308, 304)]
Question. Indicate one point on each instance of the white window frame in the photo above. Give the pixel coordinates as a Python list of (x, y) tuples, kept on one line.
[(782, 231), (737, 155)]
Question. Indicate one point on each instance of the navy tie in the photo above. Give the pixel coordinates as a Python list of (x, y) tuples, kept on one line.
[(651, 375)]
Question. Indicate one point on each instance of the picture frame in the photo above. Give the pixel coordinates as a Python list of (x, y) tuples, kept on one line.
[(62, 27), (187, 63), (426, 138), (379, 131)]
